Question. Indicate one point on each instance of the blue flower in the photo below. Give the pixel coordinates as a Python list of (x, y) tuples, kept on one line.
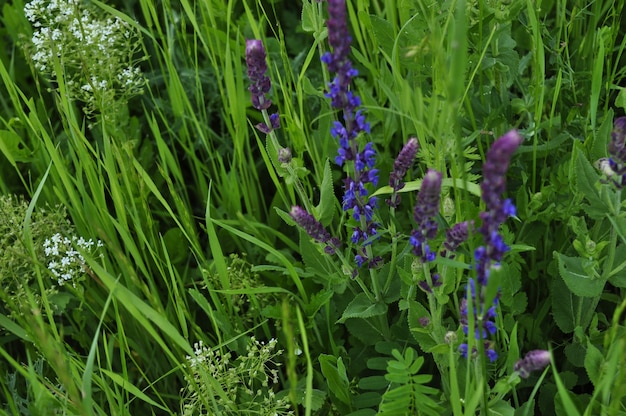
[(491, 253), (424, 214), (346, 130)]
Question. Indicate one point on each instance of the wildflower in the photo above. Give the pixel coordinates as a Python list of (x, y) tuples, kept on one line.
[(356, 196), (400, 167), (489, 255), (426, 209), (66, 263), (456, 235), (75, 34), (257, 68), (532, 361), (314, 229), (260, 83), (614, 168)]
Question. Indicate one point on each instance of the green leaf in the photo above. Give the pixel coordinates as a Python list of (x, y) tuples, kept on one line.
[(384, 34), (131, 388), (411, 186), (13, 148), (362, 307), (574, 272), (326, 207), (617, 277), (335, 373), (593, 363), (308, 16), (318, 300), (176, 251), (586, 178), (422, 335)]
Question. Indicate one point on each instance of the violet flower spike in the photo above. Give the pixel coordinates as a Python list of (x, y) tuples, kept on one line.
[(617, 153), (345, 130), (260, 83), (455, 236), (426, 209), (314, 229), (400, 167), (534, 360), (490, 254)]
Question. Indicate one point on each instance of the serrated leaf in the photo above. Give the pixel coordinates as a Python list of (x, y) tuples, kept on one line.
[(362, 307), (326, 207), (562, 306), (316, 301), (336, 379), (577, 278), (593, 363), (314, 259)]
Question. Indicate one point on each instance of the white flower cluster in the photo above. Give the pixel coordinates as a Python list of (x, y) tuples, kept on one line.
[(64, 260), (246, 380), (95, 52)]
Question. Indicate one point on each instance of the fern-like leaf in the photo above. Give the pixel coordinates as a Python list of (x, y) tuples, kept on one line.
[(408, 394)]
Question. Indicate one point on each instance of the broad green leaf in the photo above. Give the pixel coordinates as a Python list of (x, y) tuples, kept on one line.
[(562, 306), (13, 148), (362, 307), (309, 16), (384, 34), (176, 251), (335, 373), (422, 335), (577, 278)]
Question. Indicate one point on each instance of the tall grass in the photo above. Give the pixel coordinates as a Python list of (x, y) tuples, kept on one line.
[(181, 180)]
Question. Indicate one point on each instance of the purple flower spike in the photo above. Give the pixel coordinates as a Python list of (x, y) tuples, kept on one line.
[(489, 255), (617, 153), (260, 83), (346, 130), (534, 360), (257, 68), (494, 173), (424, 215), (456, 235), (314, 229), (401, 165)]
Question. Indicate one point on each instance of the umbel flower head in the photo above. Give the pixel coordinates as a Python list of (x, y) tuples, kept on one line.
[(74, 33)]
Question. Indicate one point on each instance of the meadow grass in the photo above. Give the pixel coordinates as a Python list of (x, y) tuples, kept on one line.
[(202, 268)]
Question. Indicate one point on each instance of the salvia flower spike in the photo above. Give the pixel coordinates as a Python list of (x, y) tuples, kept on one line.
[(490, 254), (260, 83), (356, 197)]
